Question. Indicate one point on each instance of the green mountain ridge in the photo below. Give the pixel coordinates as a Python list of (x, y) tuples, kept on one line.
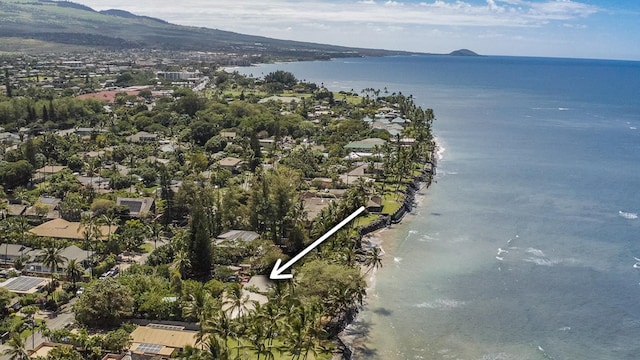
[(64, 22)]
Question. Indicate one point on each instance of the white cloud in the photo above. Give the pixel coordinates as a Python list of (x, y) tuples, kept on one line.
[(226, 14), (487, 26)]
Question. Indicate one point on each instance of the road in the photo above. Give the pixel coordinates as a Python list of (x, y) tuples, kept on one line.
[(65, 316)]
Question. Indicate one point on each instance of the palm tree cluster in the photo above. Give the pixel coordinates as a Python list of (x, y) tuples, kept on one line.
[(297, 321)]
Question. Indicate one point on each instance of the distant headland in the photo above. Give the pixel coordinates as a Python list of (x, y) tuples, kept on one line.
[(463, 52)]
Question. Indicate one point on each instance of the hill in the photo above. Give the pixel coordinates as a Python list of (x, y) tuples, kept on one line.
[(463, 52), (76, 26)]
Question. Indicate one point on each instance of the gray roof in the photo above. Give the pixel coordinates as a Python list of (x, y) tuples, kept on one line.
[(13, 250), (239, 235)]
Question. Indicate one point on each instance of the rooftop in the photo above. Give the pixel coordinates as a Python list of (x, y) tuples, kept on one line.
[(63, 229)]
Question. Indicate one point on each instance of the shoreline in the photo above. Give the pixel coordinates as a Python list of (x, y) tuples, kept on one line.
[(354, 337)]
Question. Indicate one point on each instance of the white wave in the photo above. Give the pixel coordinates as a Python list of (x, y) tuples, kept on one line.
[(563, 109), (636, 266), (565, 328), (502, 251), (632, 128), (397, 260), (427, 238), (535, 252), (441, 304), (441, 149), (498, 356), (628, 215), (499, 258), (413, 231)]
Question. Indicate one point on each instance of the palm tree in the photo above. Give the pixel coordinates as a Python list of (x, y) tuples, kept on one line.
[(373, 258), (199, 305), (52, 258), (74, 271), (182, 262), (235, 302), (219, 326), (17, 348), (109, 220), (91, 232)]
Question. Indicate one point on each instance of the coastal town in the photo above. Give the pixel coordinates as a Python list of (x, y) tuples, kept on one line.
[(146, 196)]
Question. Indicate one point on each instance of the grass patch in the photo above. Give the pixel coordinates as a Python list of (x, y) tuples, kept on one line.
[(245, 350), (146, 247), (366, 220), (390, 204)]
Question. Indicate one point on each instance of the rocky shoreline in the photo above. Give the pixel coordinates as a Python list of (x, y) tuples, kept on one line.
[(345, 342)]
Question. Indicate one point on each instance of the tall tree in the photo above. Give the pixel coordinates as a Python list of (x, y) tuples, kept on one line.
[(7, 82), (17, 347), (52, 258), (200, 240), (74, 271)]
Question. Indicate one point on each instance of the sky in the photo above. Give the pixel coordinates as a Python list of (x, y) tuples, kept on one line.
[(603, 29)]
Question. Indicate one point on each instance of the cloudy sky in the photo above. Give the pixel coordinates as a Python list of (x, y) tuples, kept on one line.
[(560, 28)]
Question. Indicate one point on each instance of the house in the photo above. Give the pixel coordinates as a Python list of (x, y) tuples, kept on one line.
[(10, 252), (49, 203), (229, 135), (162, 340), (63, 229), (16, 209), (142, 136), (46, 171), (138, 207), (35, 266), (42, 350), (374, 205), (230, 163), (366, 145), (236, 236)]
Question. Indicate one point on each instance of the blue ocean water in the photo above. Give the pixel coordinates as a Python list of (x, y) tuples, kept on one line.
[(526, 245)]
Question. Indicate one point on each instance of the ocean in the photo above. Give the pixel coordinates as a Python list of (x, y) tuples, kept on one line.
[(526, 246)]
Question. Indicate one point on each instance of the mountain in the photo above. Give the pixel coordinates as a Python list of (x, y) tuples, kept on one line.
[(46, 25)]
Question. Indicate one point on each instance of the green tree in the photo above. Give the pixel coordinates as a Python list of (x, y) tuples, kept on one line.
[(52, 258), (373, 258), (63, 353), (74, 271), (13, 174), (17, 348), (200, 240), (5, 297), (104, 303)]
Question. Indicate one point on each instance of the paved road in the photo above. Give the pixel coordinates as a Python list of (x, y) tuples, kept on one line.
[(65, 316)]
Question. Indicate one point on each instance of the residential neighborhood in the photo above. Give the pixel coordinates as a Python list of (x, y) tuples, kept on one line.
[(147, 196)]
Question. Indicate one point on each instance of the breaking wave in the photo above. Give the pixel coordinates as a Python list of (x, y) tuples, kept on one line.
[(441, 304), (628, 215)]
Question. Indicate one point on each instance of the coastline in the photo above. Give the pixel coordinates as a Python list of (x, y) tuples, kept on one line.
[(353, 339)]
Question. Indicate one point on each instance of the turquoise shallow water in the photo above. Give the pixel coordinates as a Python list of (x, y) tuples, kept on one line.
[(525, 248)]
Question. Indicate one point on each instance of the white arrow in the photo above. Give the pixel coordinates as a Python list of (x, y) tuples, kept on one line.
[(276, 272)]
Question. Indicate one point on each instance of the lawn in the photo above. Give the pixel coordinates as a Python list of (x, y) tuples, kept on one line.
[(276, 353), (390, 204), (366, 220)]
